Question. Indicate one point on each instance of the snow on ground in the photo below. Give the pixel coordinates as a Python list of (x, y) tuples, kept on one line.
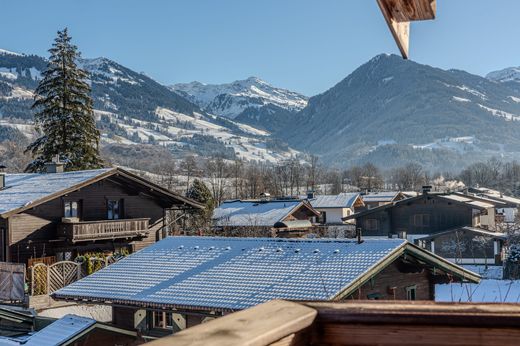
[(460, 99), (101, 313), (515, 99), (459, 144), (501, 114), (9, 73), (491, 272), (8, 52), (471, 91), (27, 129), (487, 291), (491, 289)]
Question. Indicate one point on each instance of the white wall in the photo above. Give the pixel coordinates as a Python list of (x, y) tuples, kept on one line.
[(334, 215)]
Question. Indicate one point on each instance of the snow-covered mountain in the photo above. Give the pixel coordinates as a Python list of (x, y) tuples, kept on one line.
[(252, 99), (391, 111), (510, 74), (133, 109)]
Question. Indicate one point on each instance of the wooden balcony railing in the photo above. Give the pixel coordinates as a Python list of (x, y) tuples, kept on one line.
[(357, 323), (105, 229)]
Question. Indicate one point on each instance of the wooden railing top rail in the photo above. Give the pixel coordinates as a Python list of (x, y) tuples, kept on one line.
[(357, 323), (261, 325), (104, 221)]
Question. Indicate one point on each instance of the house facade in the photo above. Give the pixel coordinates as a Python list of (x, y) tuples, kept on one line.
[(264, 218), (60, 215), (333, 208), (377, 199), (430, 214), (180, 282)]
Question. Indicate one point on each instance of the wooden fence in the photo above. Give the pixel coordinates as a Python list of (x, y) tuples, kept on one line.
[(12, 282), (46, 279)]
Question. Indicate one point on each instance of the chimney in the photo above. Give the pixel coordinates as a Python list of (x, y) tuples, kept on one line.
[(310, 194), (2, 176), (426, 189), (358, 235), (55, 166)]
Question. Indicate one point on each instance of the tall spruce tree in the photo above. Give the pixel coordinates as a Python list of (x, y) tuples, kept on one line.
[(64, 117)]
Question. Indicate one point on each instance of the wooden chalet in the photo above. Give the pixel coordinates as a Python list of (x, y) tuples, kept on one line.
[(333, 208), (180, 282), (264, 218), (507, 206), (281, 323), (59, 215), (377, 199), (466, 219)]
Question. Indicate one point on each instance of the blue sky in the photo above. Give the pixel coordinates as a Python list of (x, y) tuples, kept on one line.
[(303, 45)]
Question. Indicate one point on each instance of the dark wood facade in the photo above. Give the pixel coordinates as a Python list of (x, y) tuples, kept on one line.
[(42, 230), (398, 281), (425, 214)]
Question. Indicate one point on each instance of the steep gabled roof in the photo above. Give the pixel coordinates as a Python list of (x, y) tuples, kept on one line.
[(342, 200), (239, 213), (223, 274), (384, 196), (474, 203), (27, 190)]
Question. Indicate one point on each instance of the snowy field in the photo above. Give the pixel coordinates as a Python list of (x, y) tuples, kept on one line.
[(491, 289)]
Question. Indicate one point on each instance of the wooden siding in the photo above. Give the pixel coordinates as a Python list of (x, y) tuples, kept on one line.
[(391, 284), (30, 232), (442, 215)]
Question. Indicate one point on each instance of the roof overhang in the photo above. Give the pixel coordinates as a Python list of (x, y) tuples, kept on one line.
[(407, 248), (399, 13), (110, 173)]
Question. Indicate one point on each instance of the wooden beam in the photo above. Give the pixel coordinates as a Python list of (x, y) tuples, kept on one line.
[(400, 30), (272, 322), (410, 10)]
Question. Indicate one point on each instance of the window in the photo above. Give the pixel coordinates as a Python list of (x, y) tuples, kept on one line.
[(114, 209), (162, 320), (411, 292), (71, 209), (372, 224), (421, 220)]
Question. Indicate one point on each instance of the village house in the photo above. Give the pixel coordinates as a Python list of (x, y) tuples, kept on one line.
[(377, 199), (507, 210), (264, 218), (180, 282), (430, 215), (333, 208), (59, 215)]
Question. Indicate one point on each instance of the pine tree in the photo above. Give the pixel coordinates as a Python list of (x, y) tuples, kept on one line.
[(64, 117), (199, 192)]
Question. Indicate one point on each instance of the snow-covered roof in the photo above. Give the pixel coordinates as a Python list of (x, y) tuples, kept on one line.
[(253, 213), (24, 189), (60, 331), (232, 273), (385, 196), (342, 200), (496, 195), (468, 200)]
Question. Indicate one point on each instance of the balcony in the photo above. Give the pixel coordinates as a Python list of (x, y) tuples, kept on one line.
[(104, 229), (284, 323)]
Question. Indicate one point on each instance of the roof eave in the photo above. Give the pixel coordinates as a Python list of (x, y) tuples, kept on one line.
[(60, 193)]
